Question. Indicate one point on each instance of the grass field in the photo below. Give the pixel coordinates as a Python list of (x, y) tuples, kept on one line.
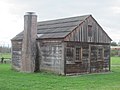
[(115, 60), (11, 80)]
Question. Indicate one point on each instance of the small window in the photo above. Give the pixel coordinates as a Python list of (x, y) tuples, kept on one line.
[(78, 55), (100, 54), (90, 30), (69, 52)]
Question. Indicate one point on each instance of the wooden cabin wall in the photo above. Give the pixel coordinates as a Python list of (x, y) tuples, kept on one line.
[(51, 56), (76, 57), (81, 33), (16, 54), (99, 58), (86, 57)]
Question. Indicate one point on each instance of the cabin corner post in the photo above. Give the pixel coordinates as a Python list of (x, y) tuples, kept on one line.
[(12, 54), (62, 65), (89, 60), (109, 58), (29, 43)]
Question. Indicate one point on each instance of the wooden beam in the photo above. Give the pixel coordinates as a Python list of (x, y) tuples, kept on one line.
[(89, 60)]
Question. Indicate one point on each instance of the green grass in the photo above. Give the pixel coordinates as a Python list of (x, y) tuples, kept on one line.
[(11, 80), (115, 60)]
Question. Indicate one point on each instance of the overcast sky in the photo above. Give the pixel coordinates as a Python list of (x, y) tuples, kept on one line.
[(106, 12)]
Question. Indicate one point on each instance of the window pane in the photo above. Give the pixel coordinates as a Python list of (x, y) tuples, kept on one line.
[(78, 54), (89, 30), (69, 52)]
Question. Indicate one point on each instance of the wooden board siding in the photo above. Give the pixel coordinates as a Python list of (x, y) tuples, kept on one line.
[(76, 68), (81, 33), (16, 54), (99, 58), (94, 58), (51, 56)]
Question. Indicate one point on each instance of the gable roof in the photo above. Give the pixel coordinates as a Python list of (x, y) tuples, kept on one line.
[(58, 28)]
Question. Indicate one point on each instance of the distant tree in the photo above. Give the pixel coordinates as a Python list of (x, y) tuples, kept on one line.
[(119, 43), (114, 43), (5, 49)]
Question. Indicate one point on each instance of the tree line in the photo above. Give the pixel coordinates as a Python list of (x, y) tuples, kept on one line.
[(115, 51), (115, 43), (5, 49)]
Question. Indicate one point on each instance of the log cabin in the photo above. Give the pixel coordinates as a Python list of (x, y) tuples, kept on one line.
[(68, 46)]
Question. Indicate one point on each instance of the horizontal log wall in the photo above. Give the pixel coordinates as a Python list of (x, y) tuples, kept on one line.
[(16, 54), (50, 56), (51, 53), (80, 33), (94, 58), (76, 68), (99, 58)]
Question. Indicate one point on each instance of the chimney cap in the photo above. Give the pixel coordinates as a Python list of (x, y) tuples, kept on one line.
[(30, 13)]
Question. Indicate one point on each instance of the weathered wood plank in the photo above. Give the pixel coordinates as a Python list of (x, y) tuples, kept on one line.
[(98, 34)]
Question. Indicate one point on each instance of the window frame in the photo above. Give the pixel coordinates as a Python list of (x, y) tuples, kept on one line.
[(90, 31), (79, 55)]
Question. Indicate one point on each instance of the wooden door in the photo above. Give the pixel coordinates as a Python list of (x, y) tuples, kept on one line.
[(96, 58)]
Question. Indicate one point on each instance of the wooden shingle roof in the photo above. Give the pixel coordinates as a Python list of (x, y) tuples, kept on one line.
[(56, 28)]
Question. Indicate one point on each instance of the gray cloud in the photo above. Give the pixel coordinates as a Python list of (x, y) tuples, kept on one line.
[(103, 11)]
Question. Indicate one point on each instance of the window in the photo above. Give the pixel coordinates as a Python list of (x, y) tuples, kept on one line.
[(90, 30), (100, 54), (69, 52), (69, 55), (78, 55)]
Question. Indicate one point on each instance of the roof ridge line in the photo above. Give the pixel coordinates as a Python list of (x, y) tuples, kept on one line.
[(64, 18)]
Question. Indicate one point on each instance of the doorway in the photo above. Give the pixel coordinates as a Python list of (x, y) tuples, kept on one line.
[(96, 58)]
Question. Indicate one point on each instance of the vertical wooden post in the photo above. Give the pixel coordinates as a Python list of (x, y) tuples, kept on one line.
[(89, 60), (29, 43), (102, 57), (64, 58), (81, 53), (109, 59)]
